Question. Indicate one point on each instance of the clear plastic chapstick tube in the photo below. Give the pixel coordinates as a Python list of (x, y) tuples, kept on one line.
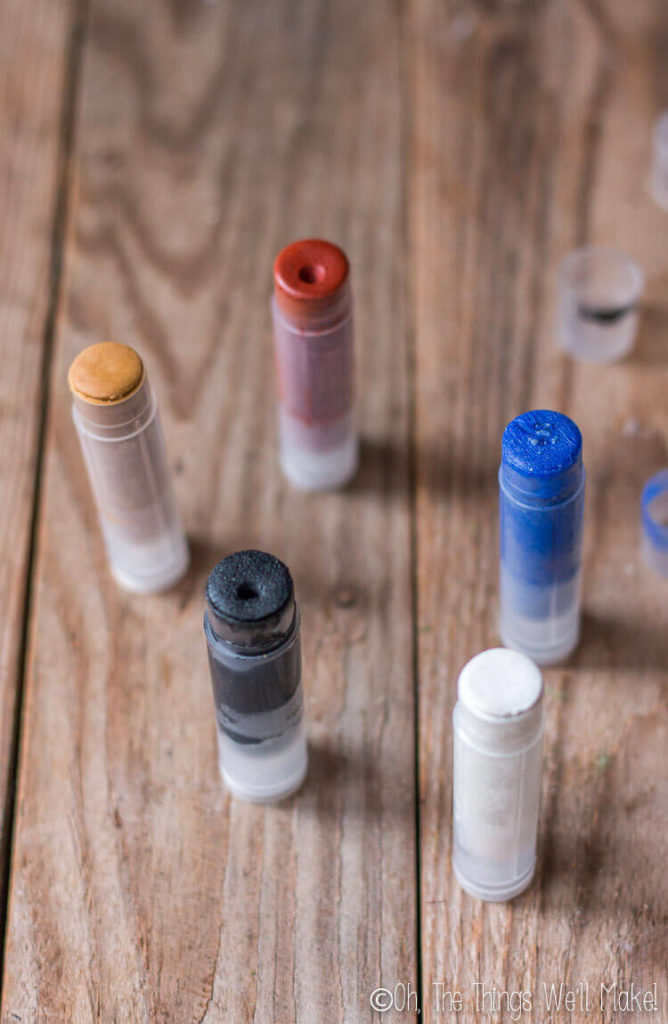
[(541, 491), (498, 725), (313, 337), (599, 293), (251, 625), (658, 179), (116, 418), (654, 515)]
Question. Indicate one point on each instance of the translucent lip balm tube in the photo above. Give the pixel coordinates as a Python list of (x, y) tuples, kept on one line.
[(498, 724), (117, 421), (251, 626), (541, 484), (313, 337)]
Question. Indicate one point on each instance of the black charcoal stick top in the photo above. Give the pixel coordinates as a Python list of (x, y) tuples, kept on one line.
[(250, 601)]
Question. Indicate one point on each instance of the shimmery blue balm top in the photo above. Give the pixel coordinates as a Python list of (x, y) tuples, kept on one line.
[(541, 488)]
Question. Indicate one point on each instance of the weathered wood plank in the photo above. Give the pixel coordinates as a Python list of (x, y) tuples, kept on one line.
[(532, 129), (209, 136), (33, 75)]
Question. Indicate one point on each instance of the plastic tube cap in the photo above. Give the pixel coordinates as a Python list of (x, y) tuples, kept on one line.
[(654, 517), (599, 291)]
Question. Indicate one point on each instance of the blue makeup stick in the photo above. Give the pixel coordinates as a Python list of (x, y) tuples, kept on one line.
[(541, 491)]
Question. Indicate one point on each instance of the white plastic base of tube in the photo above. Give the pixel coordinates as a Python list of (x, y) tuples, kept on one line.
[(149, 568), (545, 641), (320, 471), (492, 893), (264, 773), (654, 558), (552, 634), (317, 458)]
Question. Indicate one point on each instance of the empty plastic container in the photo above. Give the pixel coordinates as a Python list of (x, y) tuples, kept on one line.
[(599, 292)]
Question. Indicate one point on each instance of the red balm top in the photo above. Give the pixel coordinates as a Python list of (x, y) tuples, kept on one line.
[(310, 279)]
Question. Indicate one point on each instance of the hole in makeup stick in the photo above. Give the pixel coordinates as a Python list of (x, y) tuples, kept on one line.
[(247, 592), (312, 273)]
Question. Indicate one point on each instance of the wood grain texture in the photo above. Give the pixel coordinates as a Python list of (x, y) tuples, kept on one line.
[(457, 150), (532, 136), (210, 135), (33, 64)]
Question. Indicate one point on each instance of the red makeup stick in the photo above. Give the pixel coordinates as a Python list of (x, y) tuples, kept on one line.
[(313, 335)]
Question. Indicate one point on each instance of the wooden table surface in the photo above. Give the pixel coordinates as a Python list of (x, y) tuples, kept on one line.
[(155, 156)]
